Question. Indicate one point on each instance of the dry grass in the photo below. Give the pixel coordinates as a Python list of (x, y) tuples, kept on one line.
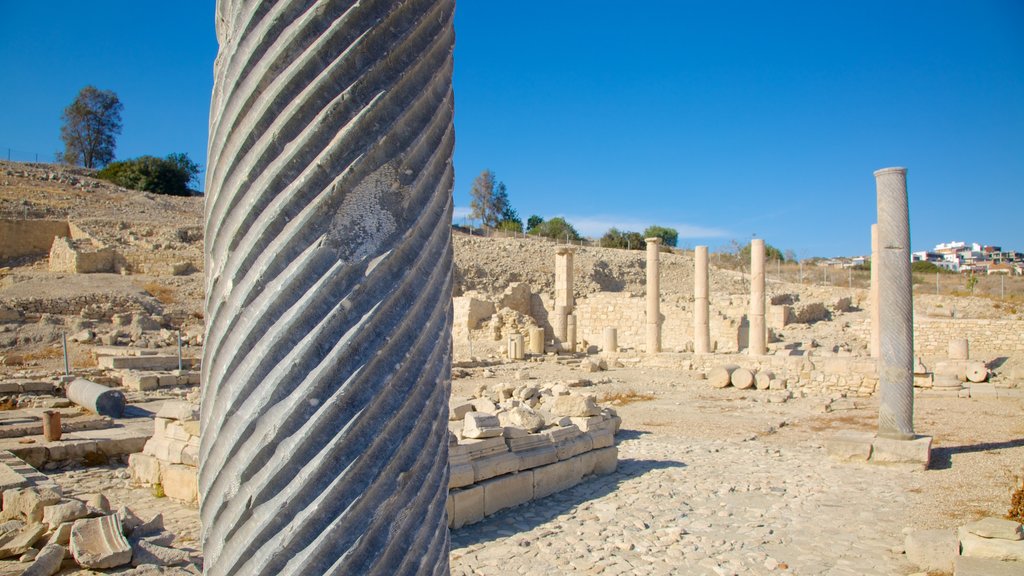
[(27, 358), (623, 398), (164, 294), (8, 404)]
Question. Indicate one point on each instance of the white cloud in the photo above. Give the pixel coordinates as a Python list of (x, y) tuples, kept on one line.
[(596, 226), (461, 212)]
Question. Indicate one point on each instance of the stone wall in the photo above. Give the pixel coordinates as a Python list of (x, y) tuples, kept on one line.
[(20, 238), (988, 337), (80, 257)]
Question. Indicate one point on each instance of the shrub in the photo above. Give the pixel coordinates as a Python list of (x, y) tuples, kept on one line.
[(171, 175), (613, 238), (557, 229)]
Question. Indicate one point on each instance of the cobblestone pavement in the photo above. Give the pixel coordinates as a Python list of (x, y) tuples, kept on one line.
[(704, 507)]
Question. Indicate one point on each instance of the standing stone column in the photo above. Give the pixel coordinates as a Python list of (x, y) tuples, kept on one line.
[(896, 366), (875, 311), (563, 278), (326, 370), (570, 334), (560, 325), (701, 311), (653, 296), (610, 340), (758, 335)]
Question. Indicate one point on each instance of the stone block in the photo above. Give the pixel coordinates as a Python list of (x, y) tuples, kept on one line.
[(139, 381), (601, 439), (991, 548), (495, 465), (481, 425), (467, 506), (578, 445), (99, 543), (967, 566), (179, 482), (461, 475), (17, 543), (850, 446), (555, 477), (894, 451), (932, 550), (507, 491), (606, 460), (67, 511), (177, 410), (47, 562), (62, 535), (537, 457), (996, 528), (145, 469), (458, 410), (584, 464), (29, 503), (145, 551)]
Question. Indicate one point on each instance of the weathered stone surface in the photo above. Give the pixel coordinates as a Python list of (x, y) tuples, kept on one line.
[(66, 511), (521, 417), (47, 561), (495, 465), (467, 506), (179, 482), (17, 543), (932, 550), (458, 410), (97, 397), (991, 548), (742, 378), (99, 543), (177, 410), (481, 425), (62, 535), (573, 405), (896, 451), (850, 446), (967, 566), (721, 376), (996, 528), (507, 491), (28, 503), (146, 552)]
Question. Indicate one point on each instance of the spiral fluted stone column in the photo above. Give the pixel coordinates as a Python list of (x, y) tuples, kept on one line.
[(701, 311), (896, 307), (875, 311), (326, 369), (758, 336), (653, 338)]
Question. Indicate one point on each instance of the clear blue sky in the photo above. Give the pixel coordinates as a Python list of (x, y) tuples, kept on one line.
[(722, 119)]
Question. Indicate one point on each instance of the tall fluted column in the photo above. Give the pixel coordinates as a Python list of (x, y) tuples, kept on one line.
[(563, 278), (653, 296), (326, 370), (701, 312), (875, 313), (896, 366), (758, 335)]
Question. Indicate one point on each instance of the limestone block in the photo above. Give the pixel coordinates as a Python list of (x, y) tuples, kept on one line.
[(932, 550), (521, 417), (584, 464), (62, 535), (507, 491), (145, 469), (495, 465), (467, 506), (895, 451), (537, 457), (742, 378), (601, 438), (29, 503), (959, 349), (849, 446), (145, 551), (588, 423), (606, 460), (578, 445), (461, 475), (991, 548), (721, 376), (967, 566), (574, 405), (99, 543), (47, 562), (481, 425), (458, 410), (66, 511), (555, 477), (179, 482), (19, 542), (177, 410), (996, 528)]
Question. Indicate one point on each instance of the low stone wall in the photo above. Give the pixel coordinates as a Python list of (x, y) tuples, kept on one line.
[(20, 238), (987, 338), (96, 306), (80, 257)]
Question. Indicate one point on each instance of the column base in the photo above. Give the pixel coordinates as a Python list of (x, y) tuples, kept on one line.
[(850, 446)]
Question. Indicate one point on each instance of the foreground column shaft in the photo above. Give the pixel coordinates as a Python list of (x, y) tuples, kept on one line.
[(701, 309), (875, 312), (563, 278), (653, 296), (896, 307), (326, 369), (758, 339)]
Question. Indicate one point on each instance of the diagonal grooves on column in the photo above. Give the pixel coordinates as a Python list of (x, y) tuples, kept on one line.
[(355, 440), (356, 78), (240, 300), (392, 266), (367, 333)]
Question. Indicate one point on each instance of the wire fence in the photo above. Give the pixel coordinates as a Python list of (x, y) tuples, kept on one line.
[(12, 154)]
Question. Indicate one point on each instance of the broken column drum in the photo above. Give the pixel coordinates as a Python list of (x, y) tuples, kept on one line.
[(610, 340), (516, 347), (757, 335), (875, 312), (536, 341), (327, 365), (96, 397), (653, 296), (701, 308), (896, 307)]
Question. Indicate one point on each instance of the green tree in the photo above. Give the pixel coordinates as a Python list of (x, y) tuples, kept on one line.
[(489, 199), (669, 236), (771, 253), (927, 267), (556, 228), (170, 175), (614, 238), (91, 125), (533, 221), (510, 220)]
